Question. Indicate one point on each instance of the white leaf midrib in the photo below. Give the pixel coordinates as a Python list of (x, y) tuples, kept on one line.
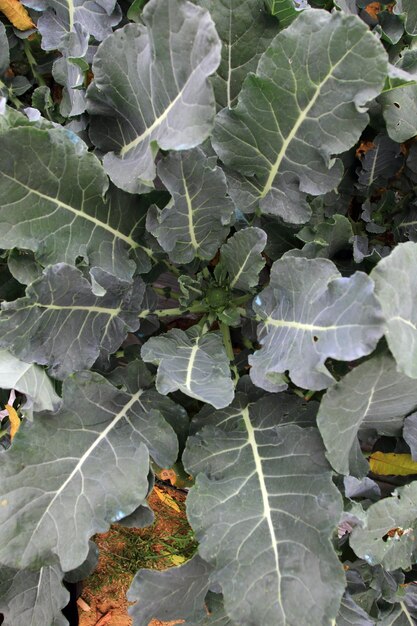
[(265, 499), (83, 459)]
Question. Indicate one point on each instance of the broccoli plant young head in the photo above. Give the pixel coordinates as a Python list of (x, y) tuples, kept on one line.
[(208, 252)]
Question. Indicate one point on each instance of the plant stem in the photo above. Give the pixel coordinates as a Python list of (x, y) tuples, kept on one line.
[(242, 299), (32, 62), (166, 293), (227, 341), (174, 270), (10, 95), (309, 395), (196, 308)]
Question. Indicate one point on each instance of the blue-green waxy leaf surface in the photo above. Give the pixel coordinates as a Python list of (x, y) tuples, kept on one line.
[(198, 219), (374, 396), (52, 202), (263, 509), (4, 50), (196, 365), (286, 10), (309, 313), (396, 289), (310, 83), (33, 598), (31, 380), (176, 593), (241, 260), (409, 9), (66, 25), (351, 614), (398, 512), (62, 323), (55, 485), (151, 89), (245, 30)]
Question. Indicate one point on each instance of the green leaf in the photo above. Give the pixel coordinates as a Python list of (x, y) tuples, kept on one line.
[(241, 260), (176, 593), (197, 220), (4, 50), (33, 597), (62, 323), (52, 202), (325, 239), (31, 380), (410, 434), (23, 267), (310, 313), (55, 466), (404, 613), (409, 8), (264, 509), (68, 24), (271, 136), (396, 512), (351, 614), (71, 77), (151, 90), (246, 31), (396, 289), (196, 365), (399, 108), (286, 10), (374, 396)]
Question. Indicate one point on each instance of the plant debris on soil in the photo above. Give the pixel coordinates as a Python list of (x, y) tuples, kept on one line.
[(169, 541)]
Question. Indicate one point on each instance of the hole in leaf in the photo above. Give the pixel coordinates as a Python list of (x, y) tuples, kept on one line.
[(397, 105), (315, 338)]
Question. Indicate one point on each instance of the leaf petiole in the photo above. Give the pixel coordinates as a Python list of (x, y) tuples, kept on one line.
[(227, 341)]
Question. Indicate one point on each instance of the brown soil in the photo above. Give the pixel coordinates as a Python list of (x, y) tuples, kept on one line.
[(123, 551)]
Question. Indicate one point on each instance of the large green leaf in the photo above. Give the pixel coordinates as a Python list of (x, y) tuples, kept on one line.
[(241, 260), (373, 396), (263, 509), (69, 475), (404, 613), (286, 10), (29, 379), (408, 7), (196, 365), (62, 323), (33, 598), (301, 93), (410, 434), (66, 25), (245, 30), (310, 313), (398, 512), (176, 593), (4, 50), (351, 614), (51, 193), (396, 289), (197, 220), (399, 109), (151, 88)]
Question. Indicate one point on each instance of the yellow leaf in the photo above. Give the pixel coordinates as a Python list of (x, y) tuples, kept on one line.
[(177, 559), (17, 14), (166, 499), (390, 463), (14, 420)]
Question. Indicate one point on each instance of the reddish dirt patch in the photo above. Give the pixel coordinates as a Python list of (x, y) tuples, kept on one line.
[(125, 550)]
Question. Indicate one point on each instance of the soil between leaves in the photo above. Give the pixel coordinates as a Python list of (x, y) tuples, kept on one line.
[(168, 542)]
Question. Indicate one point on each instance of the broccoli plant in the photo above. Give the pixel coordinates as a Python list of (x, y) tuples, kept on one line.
[(208, 233)]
